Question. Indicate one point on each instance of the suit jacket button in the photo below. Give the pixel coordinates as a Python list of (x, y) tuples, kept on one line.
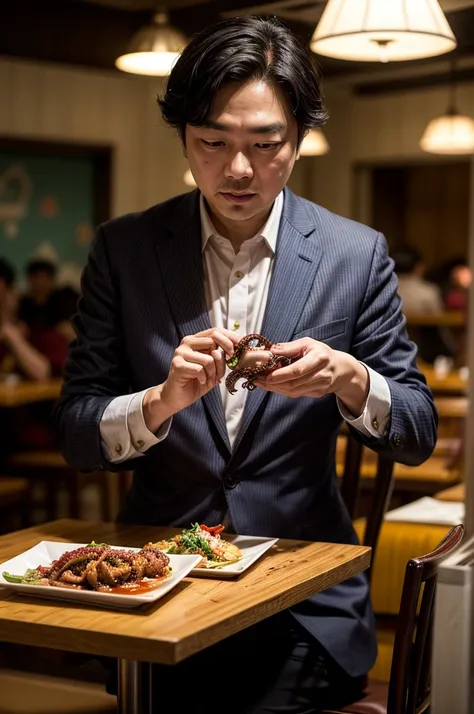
[(231, 481), (396, 441)]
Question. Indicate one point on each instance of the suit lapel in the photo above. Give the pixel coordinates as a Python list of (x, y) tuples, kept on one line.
[(296, 262), (180, 257)]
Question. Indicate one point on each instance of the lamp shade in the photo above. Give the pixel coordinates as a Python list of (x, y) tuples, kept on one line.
[(382, 30), (188, 179), (314, 144), (451, 133), (153, 50)]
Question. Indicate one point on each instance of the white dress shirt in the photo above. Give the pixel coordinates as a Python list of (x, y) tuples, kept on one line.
[(236, 289)]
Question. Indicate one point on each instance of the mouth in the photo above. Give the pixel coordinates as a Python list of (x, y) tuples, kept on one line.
[(238, 197)]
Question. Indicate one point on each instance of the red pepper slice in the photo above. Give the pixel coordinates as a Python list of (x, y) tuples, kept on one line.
[(212, 529)]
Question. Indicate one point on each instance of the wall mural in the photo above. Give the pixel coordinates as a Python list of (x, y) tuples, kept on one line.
[(46, 211)]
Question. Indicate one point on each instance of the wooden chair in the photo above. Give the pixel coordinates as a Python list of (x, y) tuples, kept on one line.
[(408, 691), (14, 502), (381, 493), (50, 468)]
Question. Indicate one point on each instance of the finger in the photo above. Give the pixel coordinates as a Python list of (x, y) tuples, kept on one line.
[(189, 370), (293, 349), (227, 340), (218, 357), (201, 358), (308, 365), (202, 344)]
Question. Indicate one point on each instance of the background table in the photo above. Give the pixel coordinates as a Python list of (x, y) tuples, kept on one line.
[(20, 393)]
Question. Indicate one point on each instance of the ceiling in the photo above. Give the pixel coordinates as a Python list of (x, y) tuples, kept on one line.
[(93, 33)]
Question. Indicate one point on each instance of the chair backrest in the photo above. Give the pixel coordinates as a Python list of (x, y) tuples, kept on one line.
[(410, 676), (381, 492)]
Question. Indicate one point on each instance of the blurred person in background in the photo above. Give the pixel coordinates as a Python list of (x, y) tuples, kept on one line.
[(459, 281), (29, 355), (420, 297), (17, 354), (418, 294), (44, 306)]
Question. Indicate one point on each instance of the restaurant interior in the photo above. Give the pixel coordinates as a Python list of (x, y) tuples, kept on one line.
[(82, 141)]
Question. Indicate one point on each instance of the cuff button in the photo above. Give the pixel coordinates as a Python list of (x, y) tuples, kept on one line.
[(118, 448), (140, 443), (375, 424)]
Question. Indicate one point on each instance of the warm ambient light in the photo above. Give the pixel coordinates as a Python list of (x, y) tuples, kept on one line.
[(154, 49), (451, 133), (188, 179), (314, 144), (382, 30)]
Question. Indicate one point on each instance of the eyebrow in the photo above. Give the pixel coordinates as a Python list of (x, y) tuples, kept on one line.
[(263, 129)]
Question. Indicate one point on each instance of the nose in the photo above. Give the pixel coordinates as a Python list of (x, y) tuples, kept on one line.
[(239, 167)]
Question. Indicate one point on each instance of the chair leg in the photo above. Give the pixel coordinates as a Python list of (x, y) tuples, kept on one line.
[(74, 487), (103, 482), (51, 501)]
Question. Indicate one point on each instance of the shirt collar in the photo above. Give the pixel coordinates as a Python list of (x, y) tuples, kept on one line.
[(269, 231)]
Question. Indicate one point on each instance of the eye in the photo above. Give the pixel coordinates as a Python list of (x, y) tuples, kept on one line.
[(268, 146), (212, 144)]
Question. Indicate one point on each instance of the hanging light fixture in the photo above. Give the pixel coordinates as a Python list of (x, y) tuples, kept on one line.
[(154, 49), (382, 30), (314, 144), (188, 179), (451, 133)]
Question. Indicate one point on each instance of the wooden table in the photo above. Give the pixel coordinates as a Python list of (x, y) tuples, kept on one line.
[(23, 392), (197, 613), (452, 383), (455, 493)]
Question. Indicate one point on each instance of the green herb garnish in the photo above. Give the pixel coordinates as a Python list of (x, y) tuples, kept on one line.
[(191, 540), (93, 544), (31, 577)]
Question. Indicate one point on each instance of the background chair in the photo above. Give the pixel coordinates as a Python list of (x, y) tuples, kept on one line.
[(381, 492), (408, 691)]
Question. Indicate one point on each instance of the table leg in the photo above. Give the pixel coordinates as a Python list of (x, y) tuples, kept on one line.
[(134, 687)]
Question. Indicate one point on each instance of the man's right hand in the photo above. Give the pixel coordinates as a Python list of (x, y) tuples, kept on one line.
[(198, 364)]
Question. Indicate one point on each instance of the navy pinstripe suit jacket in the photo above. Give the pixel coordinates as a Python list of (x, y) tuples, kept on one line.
[(333, 281)]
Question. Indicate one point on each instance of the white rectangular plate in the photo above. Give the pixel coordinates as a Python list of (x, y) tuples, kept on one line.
[(252, 547), (45, 552)]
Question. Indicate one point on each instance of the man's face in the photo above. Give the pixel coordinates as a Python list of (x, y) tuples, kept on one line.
[(244, 154)]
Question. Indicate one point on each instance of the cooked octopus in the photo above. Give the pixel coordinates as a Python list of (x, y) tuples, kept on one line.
[(91, 568), (252, 358)]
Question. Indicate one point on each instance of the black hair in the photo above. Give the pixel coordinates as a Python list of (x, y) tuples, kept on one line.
[(406, 259), (7, 272), (239, 50), (41, 266)]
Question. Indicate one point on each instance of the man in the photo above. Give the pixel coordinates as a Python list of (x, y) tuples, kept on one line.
[(167, 292), (418, 295), (421, 297)]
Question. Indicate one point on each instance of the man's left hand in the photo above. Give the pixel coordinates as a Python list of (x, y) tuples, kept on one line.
[(318, 370)]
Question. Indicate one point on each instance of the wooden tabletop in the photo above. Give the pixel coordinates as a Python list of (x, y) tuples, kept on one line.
[(452, 407), (455, 493), (451, 383), (23, 392), (197, 613), (446, 318)]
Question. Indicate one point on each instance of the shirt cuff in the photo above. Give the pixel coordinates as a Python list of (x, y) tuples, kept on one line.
[(123, 431), (377, 408)]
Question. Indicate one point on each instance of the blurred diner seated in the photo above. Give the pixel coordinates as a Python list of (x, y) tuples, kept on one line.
[(421, 297), (44, 306), (26, 354)]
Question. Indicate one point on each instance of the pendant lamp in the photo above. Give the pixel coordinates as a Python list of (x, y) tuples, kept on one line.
[(382, 30), (154, 49)]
